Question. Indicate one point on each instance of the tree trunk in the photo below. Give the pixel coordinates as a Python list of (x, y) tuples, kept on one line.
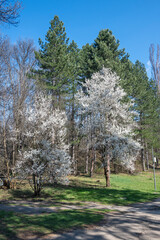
[(143, 160), (107, 171), (147, 157), (157, 162), (92, 167), (92, 162), (8, 185), (87, 161), (37, 185), (142, 143), (75, 163), (115, 168), (72, 137), (34, 184)]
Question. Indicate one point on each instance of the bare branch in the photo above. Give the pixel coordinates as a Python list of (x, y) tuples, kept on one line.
[(9, 11), (155, 64)]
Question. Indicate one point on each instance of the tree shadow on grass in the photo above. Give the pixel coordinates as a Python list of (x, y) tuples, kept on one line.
[(86, 194), (21, 193), (26, 194), (40, 224), (6, 231), (116, 225), (102, 195)]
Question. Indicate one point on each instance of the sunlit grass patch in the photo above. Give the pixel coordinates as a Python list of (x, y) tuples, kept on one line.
[(125, 189)]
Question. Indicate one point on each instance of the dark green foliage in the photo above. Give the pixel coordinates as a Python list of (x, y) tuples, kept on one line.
[(58, 64), (73, 69), (52, 60), (104, 52), (146, 105)]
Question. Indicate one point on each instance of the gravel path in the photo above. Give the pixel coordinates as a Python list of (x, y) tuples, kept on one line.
[(137, 221)]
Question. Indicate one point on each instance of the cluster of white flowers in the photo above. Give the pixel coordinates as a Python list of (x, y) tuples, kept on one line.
[(44, 152), (110, 119), (124, 150)]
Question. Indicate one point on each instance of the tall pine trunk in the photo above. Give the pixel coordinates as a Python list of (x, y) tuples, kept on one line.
[(143, 160), (147, 157), (72, 138)]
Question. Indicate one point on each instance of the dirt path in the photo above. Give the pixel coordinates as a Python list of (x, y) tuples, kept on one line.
[(126, 226), (29, 207), (138, 221)]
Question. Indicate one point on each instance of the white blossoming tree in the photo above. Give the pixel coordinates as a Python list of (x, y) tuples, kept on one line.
[(44, 154), (110, 120)]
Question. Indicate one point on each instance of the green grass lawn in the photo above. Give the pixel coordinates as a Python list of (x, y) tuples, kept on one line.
[(125, 189), (15, 226)]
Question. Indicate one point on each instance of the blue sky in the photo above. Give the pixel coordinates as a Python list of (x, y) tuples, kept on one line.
[(135, 23)]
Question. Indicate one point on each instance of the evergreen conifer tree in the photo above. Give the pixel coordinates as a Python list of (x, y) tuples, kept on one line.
[(52, 58)]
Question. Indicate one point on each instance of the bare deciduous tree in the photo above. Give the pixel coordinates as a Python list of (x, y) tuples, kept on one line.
[(9, 11), (155, 63), (16, 93)]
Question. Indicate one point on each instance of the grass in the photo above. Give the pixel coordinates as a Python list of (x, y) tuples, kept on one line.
[(14, 226), (125, 189)]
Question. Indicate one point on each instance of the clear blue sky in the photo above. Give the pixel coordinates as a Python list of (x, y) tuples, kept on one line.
[(136, 23)]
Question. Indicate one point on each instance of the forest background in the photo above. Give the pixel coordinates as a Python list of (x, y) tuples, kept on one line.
[(59, 67)]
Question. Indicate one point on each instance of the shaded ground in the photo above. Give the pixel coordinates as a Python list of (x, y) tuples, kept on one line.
[(140, 221), (125, 189), (81, 209), (127, 226), (137, 221)]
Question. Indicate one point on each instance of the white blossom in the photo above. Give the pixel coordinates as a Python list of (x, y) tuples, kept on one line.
[(109, 121), (44, 151)]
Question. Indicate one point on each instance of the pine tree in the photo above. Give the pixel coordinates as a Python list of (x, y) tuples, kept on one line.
[(146, 105), (52, 60), (105, 52), (58, 73), (74, 81)]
